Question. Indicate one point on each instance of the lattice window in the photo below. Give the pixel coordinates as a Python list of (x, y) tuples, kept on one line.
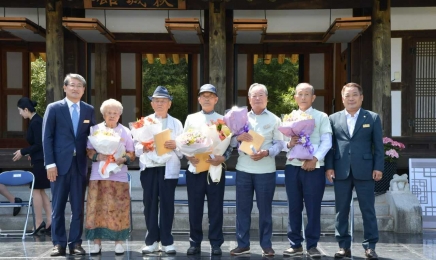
[(425, 87)]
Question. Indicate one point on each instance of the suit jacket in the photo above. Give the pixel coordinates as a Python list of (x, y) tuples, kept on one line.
[(362, 153), (34, 138), (59, 140)]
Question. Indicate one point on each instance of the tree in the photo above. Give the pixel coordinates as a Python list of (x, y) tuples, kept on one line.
[(172, 76), (280, 79), (37, 84)]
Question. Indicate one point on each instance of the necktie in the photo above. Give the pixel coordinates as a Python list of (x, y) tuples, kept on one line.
[(75, 118)]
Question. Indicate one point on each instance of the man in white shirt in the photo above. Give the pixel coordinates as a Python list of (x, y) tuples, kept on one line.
[(305, 180), (356, 160)]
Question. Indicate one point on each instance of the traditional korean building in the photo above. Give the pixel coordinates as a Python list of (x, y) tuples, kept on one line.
[(387, 46)]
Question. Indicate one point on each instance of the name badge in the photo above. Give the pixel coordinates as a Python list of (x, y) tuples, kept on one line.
[(86, 121), (266, 126), (366, 125)]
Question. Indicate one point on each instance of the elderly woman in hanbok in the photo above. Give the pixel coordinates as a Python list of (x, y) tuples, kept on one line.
[(159, 179), (108, 200)]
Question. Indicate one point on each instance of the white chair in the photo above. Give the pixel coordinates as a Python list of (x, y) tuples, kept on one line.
[(18, 178)]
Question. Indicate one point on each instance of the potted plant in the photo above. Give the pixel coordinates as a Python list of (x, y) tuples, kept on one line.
[(391, 150)]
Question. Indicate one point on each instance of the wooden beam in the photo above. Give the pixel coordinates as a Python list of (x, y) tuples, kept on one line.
[(281, 58), (100, 78), (163, 58), (292, 37), (381, 53), (176, 58), (217, 52), (55, 51), (267, 59), (150, 58), (246, 5)]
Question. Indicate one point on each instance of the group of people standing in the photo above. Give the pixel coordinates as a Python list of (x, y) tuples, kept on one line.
[(348, 150)]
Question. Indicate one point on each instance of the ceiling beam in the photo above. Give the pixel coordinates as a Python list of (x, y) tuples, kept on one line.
[(247, 5)]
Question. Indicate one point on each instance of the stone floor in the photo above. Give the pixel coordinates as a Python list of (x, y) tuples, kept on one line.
[(391, 246)]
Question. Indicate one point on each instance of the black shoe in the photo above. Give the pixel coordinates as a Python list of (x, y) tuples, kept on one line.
[(314, 252), (216, 250), (240, 251), (58, 251), (47, 231), (17, 209), (193, 250), (77, 250), (343, 252), (371, 254), (40, 228)]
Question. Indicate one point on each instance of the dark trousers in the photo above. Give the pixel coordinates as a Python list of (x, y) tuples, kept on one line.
[(198, 187), (264, 185), (158, 195), (308, 187), (70, 185), (366, 198)]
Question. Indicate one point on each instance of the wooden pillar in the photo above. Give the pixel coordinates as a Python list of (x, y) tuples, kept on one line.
[(55, 50), (381, 80), (217, 52), (100, 78)]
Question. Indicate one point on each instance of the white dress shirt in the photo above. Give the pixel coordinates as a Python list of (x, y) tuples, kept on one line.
[(351, 121)]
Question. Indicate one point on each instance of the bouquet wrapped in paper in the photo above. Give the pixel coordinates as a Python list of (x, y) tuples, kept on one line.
[(301, 125), (237, 120), (195, 141), (221, 137), (143, 131), (108, 142)]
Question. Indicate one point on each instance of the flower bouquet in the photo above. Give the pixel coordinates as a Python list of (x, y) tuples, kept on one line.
[(301, 125), (108, 142), (143, 131), (195, 141), (392, 148), (237, 120), (221, 137)]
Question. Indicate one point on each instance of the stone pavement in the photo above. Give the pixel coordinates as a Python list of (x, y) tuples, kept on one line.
[(391, 246)]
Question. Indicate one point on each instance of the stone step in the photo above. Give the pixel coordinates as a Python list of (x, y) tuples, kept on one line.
[(181, 222), (382, 208)]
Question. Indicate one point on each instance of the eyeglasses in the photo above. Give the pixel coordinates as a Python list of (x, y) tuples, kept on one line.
[(207, 96), (75, 86)]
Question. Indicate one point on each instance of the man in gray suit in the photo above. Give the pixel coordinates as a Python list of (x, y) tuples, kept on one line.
[(355, 160)]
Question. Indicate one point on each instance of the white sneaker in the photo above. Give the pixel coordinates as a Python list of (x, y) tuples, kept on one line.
[(119, 249), (171, 249), (151, 248), (95, 249)]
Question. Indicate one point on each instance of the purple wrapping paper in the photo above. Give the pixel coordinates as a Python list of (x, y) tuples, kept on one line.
[(296, 128), (237, 120)]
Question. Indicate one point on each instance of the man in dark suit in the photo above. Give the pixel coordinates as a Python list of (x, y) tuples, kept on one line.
[(355, 160), (65, 133)]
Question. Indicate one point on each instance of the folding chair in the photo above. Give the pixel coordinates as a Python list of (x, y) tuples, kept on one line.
[(18, 178), (130, 194)]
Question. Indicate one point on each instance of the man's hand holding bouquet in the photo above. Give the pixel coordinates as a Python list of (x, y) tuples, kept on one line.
[(221, 136), (108, 144), (194, 141), (143, 131)]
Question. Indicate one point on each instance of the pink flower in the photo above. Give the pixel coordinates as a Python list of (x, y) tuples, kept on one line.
[(392, 149), (392, 153)]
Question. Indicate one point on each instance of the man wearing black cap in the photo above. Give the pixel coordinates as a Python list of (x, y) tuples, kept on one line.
[(198, 184)]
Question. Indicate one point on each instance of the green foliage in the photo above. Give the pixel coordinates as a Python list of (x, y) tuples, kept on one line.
[(37, 84), (280, 79), (172, 76)]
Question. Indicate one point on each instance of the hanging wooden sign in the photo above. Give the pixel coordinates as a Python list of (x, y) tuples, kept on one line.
[(135, 4)]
